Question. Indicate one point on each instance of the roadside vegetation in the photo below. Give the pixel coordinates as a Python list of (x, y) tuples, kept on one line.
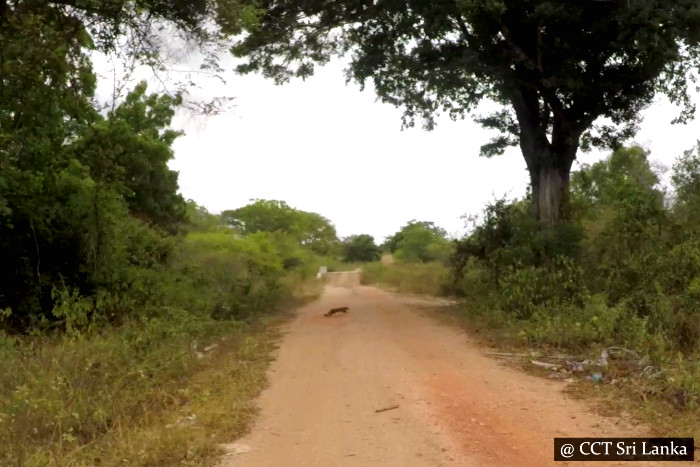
[(135, 327), (621, 275), (418, 254), (160, 367)]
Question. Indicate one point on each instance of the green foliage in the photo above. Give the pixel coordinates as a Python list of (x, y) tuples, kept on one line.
[(580, 327), (360, 248), (104, 24), (508, 237), (526, 289), (686, 184), (626, 274), (419, 242), (87, 392), (73, 181), (72, 226), (624, 176), (310, 229), (130, 150), (241, 277), (199, 219), (102, 296)]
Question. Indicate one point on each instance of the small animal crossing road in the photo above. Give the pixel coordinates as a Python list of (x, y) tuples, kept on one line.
[(456, 407)]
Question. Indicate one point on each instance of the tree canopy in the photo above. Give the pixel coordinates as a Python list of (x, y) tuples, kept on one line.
[(419, 242), (308, 228), (132, 25), (86, 195), (360, 248), (624, 175), (567, 74)]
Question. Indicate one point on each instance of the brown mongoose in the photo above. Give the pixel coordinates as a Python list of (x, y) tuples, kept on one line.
[(332, 311)]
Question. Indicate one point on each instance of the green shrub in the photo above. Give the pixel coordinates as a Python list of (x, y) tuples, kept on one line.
[(590, 326), (524, 289), (119, 359)]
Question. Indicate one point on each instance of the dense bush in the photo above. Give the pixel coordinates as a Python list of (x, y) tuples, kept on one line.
[(65, 391), (419, 242), (625, 271), (360, 248), (80, 212), (108, 278)]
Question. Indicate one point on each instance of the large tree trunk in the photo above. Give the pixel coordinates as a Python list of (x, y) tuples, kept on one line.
[(549, 167), (550, 193), (548, 162), (549, 151)]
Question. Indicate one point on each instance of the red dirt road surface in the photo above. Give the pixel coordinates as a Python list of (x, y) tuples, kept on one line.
[(456, 406)]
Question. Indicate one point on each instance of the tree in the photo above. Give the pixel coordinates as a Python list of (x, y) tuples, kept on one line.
[(199, 219), (624, 175), (70, 179), (310, 229), (46, 84), (108, 22), (419, 242), (625, 220), (392, 243), (261, 216), (567, 74), (130, 150), (316, 232), (79, 190), (686, 177), (360, 248), (136, 32)]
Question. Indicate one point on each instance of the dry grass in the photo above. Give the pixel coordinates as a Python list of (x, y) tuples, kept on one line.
[(146, 394), (414, 278), (98, 401)]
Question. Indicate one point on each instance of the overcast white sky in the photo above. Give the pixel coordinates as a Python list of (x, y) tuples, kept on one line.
[(324, 146)]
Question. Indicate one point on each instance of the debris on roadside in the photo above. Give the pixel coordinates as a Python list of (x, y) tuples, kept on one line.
[(236, 448), (596, 377), (508, 355), (603, 360), (613, 365), (187, 420), (549, 366)]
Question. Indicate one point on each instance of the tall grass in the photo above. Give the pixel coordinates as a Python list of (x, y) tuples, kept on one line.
[(417, 278)]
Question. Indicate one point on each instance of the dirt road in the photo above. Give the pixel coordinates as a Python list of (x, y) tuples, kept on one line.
[(456, 406)]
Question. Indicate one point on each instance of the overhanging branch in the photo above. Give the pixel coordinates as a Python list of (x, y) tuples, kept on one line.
[(534, 66)]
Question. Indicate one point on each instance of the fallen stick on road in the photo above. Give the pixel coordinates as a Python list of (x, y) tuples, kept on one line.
[(515, 355), (505, 354), (386, 408)]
